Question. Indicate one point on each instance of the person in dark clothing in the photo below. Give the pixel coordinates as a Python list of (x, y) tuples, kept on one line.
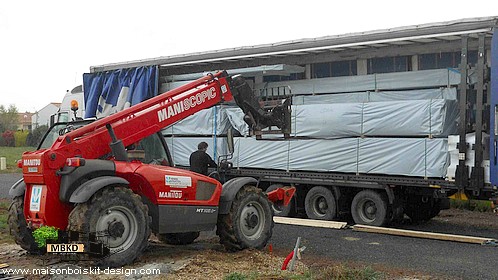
[(200, 160)]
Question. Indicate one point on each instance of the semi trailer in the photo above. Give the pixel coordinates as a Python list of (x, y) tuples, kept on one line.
[(380, 124)]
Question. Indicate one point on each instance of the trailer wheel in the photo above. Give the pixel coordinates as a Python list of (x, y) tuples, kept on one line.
[(121, 216), (369, 208), (19, 229), (278, 208), (423, 211), (182, 238), (249, 224), (320, 204)]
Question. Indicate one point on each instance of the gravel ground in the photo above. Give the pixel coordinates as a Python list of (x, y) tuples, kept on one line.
[(440, 259), (395, 257)]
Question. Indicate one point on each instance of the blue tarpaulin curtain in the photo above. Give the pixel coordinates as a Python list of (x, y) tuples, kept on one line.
[(111, 91)]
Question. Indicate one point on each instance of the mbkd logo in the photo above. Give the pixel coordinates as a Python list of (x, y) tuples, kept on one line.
[(65, 248), (36, 192)]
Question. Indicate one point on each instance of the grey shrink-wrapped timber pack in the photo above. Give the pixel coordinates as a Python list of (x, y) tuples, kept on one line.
[(421, 157), (427, 157), (212, 121), (435, 117), (182, 147), (395, 112), (376, 96), (373, 82)]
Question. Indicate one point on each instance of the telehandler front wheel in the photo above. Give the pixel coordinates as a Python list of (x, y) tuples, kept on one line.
[(249, 224), (19, 229), (120, 219)]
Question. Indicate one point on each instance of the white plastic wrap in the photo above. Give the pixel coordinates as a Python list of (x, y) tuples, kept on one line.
[(374, 82), (337, 121), (376, 96), (182, 147), (204, 122), (235, 116), (469, 157), (338, 155), (396, 118), (417, 157), (410, 157), (251, 153), (417, 79), (327, 120)]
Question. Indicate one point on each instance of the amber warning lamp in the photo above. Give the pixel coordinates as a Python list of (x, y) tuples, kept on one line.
[(74, 105)]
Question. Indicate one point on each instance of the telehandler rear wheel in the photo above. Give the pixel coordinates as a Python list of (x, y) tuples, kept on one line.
[(119, 215), (249, 224), (19, 229), (181, 238)]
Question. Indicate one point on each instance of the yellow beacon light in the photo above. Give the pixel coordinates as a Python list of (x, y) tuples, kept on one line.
[(74, 105)]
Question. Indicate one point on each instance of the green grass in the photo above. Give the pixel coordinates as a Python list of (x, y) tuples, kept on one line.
[(336, 272), (13, 154), (343, 272), (472, 205)]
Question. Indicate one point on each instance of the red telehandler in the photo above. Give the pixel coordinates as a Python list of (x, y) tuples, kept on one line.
[(108, 183)]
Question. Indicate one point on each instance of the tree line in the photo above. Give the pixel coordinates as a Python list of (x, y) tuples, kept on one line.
[(10, 136)]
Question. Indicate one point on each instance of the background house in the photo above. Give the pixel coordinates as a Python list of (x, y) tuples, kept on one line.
[(42, 116), (24, 121)]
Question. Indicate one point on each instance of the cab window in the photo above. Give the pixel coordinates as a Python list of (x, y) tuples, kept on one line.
[(154, 150)]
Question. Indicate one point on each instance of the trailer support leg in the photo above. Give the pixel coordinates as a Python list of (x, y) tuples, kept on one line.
[(477, 175), (462, 172)]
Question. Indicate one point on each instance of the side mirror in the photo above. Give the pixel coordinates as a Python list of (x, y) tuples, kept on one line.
[(52, 119), (230, 141)]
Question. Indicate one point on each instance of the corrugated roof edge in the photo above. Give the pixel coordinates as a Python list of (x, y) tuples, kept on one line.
[(306, 43)]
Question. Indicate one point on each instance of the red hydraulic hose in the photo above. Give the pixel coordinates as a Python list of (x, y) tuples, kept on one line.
[(287, 260)]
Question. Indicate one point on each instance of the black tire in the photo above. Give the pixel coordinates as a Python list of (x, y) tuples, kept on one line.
[(320, 204), (436, 208), (18, 228), (278, 208), (420, 211), (121, 214), (370, 208), (182, 238), (249, 224)]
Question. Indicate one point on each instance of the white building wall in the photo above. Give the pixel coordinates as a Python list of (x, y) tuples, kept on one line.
[(42, 116)]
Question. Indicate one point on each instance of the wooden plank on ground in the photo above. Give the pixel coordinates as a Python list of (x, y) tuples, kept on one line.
[(422, 234), (309, 223), (3, 265)]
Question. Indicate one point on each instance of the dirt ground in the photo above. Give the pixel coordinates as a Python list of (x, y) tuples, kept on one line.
[(206, 258), (484, 220)]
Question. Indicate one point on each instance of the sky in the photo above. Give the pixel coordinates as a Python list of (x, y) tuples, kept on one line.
[(46, 46)]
